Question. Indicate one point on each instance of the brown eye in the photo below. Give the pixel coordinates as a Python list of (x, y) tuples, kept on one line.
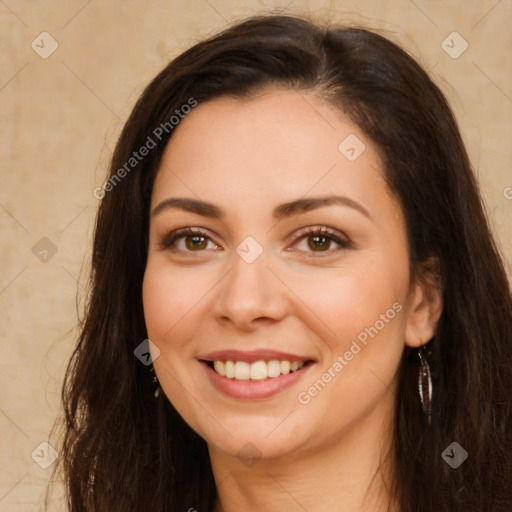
[(187, 240), (196, 242), (319, 243), (321, 239)]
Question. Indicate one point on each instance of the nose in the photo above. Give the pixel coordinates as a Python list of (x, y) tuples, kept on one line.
[(250, 296)]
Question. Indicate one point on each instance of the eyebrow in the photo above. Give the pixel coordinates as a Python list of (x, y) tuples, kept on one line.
[(311, 203), (282, 211), (189, 205)]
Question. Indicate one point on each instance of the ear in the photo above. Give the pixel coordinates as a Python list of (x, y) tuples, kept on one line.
[(424, 305)]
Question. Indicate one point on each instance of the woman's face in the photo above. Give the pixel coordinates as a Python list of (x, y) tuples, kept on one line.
[(274, 240)]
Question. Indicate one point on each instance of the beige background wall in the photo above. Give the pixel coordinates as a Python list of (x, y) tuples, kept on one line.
[(60, 116)]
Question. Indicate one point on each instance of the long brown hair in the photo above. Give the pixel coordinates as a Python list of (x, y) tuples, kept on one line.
[(125, 450)]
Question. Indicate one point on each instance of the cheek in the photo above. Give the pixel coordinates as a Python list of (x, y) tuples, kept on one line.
[(360, 316), (363, 354), (168, 297), (351, 298), (170, 300)]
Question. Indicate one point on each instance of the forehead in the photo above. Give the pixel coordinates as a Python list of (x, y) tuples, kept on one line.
[(278, 143)]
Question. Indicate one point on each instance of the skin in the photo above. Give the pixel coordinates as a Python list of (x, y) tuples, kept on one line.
[(247, 157)]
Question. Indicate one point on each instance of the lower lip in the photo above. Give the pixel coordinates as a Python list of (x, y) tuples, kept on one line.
[(253, 389)]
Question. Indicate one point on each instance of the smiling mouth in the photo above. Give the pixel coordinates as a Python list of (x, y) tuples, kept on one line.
[(260, 370)]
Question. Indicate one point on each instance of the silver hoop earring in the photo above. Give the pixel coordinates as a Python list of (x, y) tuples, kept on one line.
[(425, 386)]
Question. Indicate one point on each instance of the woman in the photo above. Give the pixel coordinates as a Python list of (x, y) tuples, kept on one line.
[(292, 220)]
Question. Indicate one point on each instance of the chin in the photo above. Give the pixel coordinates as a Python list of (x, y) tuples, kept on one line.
[(256, 437)]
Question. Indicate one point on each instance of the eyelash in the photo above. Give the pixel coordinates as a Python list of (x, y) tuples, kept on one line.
[(171, 238), (328, 233), (304, 233)]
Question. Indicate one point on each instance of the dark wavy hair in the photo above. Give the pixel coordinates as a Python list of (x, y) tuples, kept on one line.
[(124, 450)]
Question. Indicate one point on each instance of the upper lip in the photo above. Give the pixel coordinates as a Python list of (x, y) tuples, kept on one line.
[(252, 356)]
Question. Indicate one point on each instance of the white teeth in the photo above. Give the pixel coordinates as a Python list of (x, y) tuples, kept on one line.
[(220, 368), (259, 370), (230, 369), (242, 370), (273, 368)]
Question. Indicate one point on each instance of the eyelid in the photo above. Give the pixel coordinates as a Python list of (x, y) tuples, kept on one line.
[(174, 235), (333, 234), (321, 229)]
